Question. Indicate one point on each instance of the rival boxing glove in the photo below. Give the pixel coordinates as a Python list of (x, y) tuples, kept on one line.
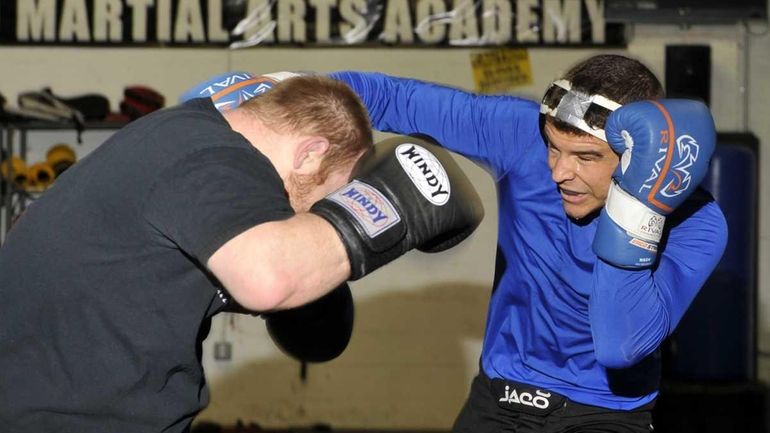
[(231, 89), (665, 149), (315, 332), (406, 193)]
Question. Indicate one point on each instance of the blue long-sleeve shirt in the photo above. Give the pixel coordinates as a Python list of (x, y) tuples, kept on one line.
[(559, 318)]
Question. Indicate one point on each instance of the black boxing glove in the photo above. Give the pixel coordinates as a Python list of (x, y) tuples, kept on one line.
[(407, 193), (315, 332)]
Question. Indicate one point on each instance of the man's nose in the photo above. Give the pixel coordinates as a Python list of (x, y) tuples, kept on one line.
[(562, 170)]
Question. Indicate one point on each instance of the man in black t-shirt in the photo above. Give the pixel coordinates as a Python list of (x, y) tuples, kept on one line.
[(109, 279)]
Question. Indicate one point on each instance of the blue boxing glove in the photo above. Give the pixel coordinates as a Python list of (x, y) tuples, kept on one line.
[(665, 149), (232, 89)]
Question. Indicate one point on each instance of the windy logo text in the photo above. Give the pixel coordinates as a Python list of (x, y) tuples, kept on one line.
[(374, 212), (426, 172)]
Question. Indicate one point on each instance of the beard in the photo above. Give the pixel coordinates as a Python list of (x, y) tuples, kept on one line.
[(301, 189)]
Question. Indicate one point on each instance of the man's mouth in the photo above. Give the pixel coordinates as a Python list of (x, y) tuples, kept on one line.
[(570, 196)]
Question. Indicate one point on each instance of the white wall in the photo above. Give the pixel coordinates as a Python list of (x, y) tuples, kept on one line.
[(419, 320)]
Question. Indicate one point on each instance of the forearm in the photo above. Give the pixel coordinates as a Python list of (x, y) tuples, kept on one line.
[(632, 311), (475, 126), (627, 313), (282, 264), (318, 261)]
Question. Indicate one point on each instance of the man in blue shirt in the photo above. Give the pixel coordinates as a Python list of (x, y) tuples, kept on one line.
[(604, 237)]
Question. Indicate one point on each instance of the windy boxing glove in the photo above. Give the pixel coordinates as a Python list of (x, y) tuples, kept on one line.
[(406, 193)]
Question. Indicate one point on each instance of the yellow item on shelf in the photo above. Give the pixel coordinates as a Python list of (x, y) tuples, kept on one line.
[(17, 172), (40, 175), (60, 157)]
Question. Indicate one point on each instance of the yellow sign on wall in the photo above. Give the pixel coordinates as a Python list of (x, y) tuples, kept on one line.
[(501, 71)]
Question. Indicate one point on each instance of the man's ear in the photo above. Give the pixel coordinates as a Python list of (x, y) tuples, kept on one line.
[(309, 154)]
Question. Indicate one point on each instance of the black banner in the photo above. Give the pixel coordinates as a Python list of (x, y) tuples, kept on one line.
[(243, 23)]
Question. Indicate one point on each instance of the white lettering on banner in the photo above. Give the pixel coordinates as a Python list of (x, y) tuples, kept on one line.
[(258, 26), (107, 15), (428, 22), (497, 21), (323, 19), (595, 10), (139, 18), (428, 13), (216, 32), (561, 23), (291, 16), (163, 20), (527, 21), (355, 29), (464, 29), (74, 22), (398, 23), (189, 22), (36, 20)]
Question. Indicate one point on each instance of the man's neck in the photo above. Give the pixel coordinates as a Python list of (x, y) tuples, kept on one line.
[(265, 140)]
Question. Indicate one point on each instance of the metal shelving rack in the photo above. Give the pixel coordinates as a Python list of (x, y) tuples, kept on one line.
[(13, 200)]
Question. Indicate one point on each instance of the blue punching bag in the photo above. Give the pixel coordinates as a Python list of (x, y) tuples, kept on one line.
[(716, 339)]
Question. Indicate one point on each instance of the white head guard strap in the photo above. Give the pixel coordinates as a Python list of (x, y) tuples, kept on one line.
[(573, 106)]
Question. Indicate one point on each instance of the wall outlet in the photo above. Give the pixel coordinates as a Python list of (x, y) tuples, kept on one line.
[(223, 351)]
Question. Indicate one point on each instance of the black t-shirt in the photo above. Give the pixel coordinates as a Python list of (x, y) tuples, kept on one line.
[(105, 293)]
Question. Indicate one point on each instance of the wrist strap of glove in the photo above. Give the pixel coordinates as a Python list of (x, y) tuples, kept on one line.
[(632, 215)]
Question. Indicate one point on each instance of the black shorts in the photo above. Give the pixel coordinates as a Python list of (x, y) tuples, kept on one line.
[(497, 406)]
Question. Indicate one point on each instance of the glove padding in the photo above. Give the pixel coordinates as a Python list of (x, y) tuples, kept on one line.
[(665, 149), (407, 193), (315, 332), (231, 89)]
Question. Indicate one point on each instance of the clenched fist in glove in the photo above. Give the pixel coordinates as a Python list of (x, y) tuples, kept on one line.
[(665, 149), (407, 193), (314, 332)]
